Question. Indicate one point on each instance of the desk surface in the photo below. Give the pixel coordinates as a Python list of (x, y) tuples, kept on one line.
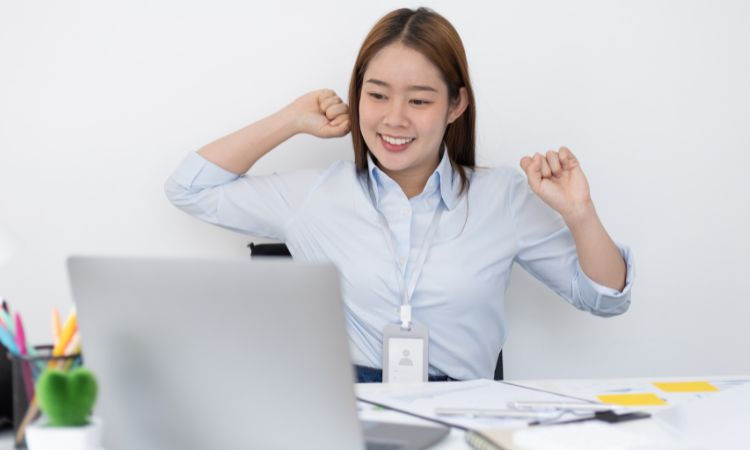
[(577, 387), (586, 388)]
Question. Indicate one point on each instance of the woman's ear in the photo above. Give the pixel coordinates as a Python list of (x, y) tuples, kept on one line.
[(459, 105)]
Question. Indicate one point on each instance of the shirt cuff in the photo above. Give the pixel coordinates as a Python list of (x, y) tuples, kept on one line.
[(196, 171), (602, 300)]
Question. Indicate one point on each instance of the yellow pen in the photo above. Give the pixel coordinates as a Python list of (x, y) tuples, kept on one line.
[(73, 348), (66, 334)]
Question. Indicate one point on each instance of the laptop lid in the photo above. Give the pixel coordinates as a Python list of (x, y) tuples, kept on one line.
[(230, 354)]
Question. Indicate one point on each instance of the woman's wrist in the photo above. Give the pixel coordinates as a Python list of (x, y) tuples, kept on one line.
[(289, 120), (580, 215)]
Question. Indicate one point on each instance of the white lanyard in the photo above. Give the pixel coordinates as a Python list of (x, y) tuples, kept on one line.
[(405, 310)]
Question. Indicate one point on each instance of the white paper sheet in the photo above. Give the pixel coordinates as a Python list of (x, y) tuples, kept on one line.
[(424, 398)]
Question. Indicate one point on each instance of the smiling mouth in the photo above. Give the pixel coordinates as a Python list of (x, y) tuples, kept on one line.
[(395, 144)]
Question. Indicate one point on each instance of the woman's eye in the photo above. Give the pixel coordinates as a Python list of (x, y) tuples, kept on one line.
[(376, 96), (419, 102)]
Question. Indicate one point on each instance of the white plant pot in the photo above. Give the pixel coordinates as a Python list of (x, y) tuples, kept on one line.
[(41, 436)]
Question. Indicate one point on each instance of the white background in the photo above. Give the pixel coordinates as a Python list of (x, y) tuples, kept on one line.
[(99, 102)]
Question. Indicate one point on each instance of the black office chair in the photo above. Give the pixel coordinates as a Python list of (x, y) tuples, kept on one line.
[(499, 367), (281, 250)]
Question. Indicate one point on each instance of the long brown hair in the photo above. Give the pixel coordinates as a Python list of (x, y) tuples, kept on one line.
[(432, 35)]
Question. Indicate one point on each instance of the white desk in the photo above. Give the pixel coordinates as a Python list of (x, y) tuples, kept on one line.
[(579, 388), (455, 441)]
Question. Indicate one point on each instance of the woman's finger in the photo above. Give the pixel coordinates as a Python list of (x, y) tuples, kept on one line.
[(343, 127), (567, 159), (546, 171), (525, 161), (327, 102), (325, 96), (554, 163), (337, 128), (325, 93), (533, 170), (338, 119), (336, 110)]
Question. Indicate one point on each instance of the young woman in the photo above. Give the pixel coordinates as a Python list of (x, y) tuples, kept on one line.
[(424, 241)]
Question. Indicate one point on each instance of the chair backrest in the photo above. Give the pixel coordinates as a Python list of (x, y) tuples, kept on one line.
[(499, 367), (280, 249)]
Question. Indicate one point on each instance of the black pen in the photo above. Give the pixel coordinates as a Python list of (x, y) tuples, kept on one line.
[(608, 416)]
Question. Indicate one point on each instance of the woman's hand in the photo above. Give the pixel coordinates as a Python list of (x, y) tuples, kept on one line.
[(557, 179), (321, 113)]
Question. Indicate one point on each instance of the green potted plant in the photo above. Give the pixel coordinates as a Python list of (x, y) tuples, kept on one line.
[(66, 398)]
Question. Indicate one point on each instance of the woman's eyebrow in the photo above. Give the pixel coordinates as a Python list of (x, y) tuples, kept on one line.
[(410, 88)]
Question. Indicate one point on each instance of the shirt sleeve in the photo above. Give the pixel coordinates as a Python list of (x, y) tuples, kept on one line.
[(257, 205), (547, 251)]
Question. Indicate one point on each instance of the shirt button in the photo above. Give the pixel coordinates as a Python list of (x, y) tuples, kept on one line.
[(401, 261)]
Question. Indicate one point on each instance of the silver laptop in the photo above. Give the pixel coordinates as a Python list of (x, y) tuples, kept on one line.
[(225, 354)]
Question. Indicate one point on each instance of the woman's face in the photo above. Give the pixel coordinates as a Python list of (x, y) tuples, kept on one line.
[(404, 110)]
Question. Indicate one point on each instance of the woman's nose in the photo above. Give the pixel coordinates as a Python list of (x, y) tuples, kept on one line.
[(395, 115)]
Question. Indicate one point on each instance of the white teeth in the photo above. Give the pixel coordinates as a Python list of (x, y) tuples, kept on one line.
[(396, 141)]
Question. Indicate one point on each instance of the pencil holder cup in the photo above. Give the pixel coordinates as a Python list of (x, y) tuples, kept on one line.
[(25, 371)]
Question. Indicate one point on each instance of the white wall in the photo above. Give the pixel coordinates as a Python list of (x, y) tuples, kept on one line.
[(99, 101)]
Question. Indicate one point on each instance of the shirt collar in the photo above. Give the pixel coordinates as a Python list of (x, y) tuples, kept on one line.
[(449, 181)]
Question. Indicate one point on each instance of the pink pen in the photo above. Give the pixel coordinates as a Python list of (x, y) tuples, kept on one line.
[(21, 341), (20, 336)]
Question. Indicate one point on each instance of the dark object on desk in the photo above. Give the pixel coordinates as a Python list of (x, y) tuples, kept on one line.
[(268, 250), (280, 249), (612, 417), (6, 391), (608, 416)]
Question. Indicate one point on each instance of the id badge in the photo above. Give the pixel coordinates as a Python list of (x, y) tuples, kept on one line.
[(405, 354)]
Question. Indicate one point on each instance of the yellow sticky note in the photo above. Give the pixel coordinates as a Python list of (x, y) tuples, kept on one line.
[(687, 386), (645, 399)]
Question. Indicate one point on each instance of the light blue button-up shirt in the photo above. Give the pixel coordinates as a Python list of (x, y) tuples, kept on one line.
[(333, 215)]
